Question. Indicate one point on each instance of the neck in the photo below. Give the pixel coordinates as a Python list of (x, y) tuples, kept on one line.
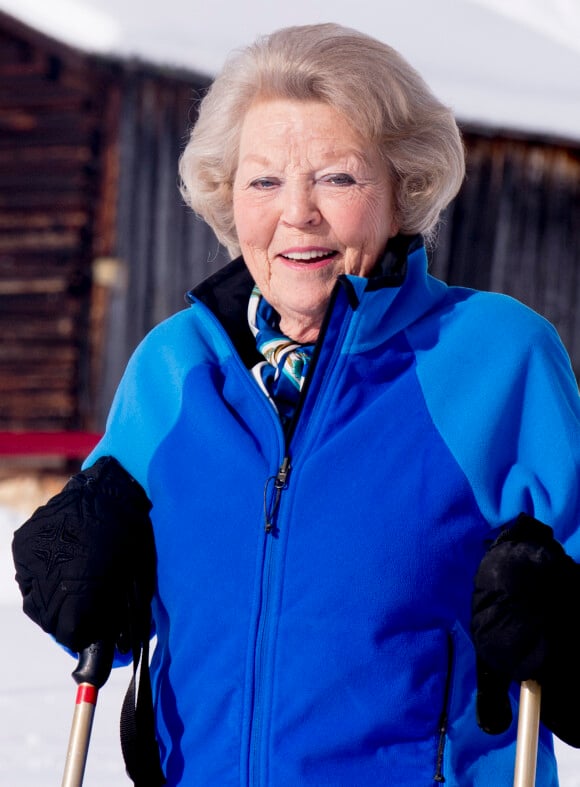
[(301, 332)]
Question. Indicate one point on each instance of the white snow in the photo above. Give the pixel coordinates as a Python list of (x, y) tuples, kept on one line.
[(37, 693)]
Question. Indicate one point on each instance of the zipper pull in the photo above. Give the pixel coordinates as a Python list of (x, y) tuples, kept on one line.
[(280, 483), (283, 473)]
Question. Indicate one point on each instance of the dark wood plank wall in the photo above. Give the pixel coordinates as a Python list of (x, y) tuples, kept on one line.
[(162, 249), (52, 138)]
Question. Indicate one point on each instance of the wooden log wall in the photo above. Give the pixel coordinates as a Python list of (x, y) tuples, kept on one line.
[(52, 159), (161, 248)]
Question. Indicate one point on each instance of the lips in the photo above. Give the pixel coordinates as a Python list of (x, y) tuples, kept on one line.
[(308, 255)]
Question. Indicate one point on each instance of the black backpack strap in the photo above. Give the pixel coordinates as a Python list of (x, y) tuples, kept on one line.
[(138, 743)]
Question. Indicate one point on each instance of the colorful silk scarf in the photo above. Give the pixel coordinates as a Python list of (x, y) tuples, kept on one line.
[(282, 374)]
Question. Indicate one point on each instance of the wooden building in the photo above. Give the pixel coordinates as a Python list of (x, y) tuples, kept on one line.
[(96, 246)]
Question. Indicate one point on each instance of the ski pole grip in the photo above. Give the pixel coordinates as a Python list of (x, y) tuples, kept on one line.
[(95, 664)]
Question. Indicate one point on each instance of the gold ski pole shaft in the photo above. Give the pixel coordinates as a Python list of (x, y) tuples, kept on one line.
[(528, 731), (78, 745), (92, 671)]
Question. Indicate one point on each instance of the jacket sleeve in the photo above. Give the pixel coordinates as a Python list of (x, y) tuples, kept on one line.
[(501, 391), (147, 402)]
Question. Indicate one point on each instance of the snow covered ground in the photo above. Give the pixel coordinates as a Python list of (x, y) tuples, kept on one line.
[(37, 693)]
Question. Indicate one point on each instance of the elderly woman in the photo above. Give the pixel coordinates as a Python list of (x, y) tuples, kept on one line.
[(331, 439)]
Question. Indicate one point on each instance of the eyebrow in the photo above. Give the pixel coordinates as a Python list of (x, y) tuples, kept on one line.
[(256, 158), (348, 154)]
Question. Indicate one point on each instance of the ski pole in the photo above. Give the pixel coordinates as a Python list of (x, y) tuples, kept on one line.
[(91, 673), (528, 731)]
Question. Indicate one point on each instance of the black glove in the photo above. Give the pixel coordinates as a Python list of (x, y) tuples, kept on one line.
[(526, 610), (85, 561)]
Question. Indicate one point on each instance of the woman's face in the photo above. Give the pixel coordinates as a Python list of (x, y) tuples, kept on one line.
[(311, 200)]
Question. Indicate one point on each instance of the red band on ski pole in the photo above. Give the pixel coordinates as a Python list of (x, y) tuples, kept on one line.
[(87, 693)]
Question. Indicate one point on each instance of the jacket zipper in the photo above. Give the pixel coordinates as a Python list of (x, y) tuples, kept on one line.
[(271, 507), (280, 482), (267, 571), (259, 662)]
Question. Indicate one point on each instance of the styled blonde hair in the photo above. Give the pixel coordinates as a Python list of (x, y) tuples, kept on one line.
[(380, 94)]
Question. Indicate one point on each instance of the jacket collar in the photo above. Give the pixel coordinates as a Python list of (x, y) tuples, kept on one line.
[(226, 293), (400, 293)]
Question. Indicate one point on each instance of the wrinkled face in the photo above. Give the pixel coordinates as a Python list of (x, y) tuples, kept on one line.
[(311, 200)]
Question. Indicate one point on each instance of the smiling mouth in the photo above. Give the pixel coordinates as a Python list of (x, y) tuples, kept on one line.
[(309, 256)]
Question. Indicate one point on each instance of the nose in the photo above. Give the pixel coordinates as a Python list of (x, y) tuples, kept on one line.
[(299, 207)]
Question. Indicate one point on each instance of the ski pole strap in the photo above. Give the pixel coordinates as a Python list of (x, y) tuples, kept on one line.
[(138, 742)]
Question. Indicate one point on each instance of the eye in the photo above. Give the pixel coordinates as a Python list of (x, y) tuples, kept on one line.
[(264, 183), (339, 179)]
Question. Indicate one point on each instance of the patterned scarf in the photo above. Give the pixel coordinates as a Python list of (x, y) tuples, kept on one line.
[(282, 374)]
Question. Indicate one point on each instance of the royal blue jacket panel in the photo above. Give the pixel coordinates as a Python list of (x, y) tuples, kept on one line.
[(334, 650)]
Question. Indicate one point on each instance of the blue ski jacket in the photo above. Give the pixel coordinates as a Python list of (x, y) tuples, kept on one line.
[(313, 601)]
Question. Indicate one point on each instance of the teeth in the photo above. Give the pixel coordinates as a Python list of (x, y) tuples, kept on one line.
[(308, 255)]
